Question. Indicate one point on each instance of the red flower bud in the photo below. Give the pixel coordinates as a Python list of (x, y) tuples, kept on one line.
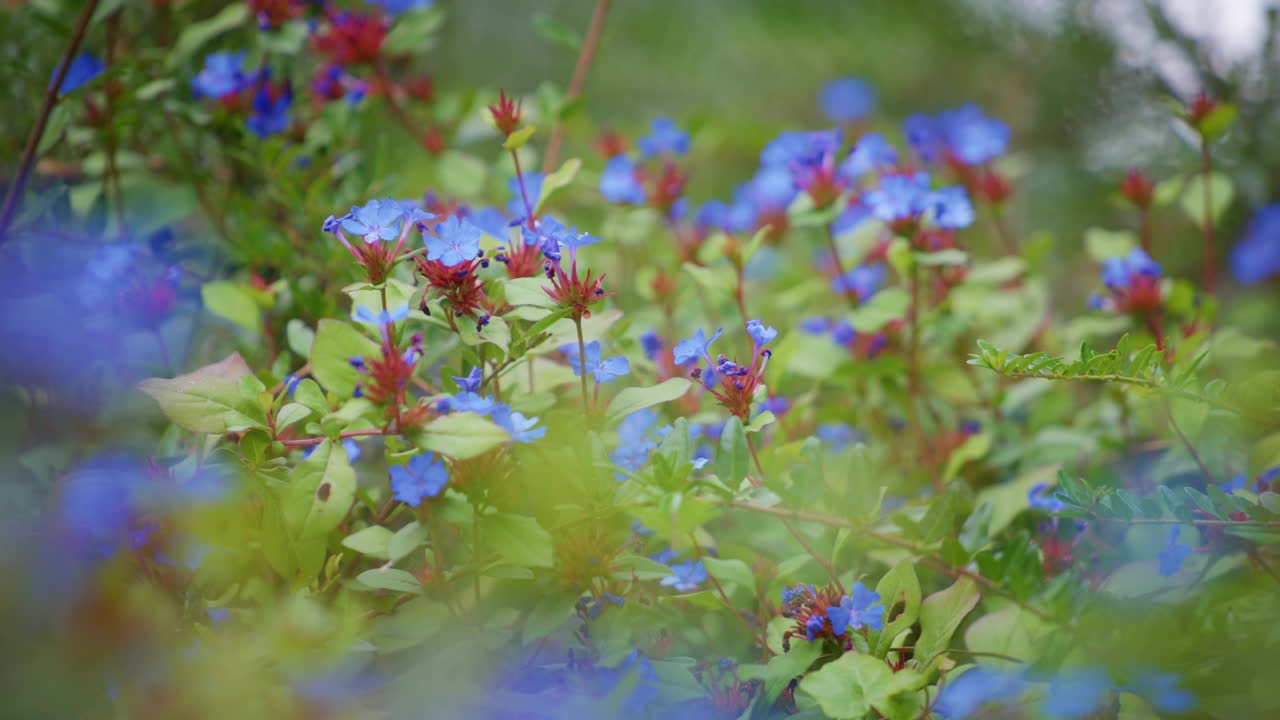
[(1137, 188), (506, 114)]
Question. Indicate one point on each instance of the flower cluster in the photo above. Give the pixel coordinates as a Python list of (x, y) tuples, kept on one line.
[(637, 181), (451, 268), (376, 224), (387, 376), (831, 614), (735, 386)]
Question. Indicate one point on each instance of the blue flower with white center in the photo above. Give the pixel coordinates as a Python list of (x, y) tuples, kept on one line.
[(686, 576), (964, 696), (470, 383), (695, 347), (864, 609), (522, 429), (847, 99), (863, 281), (760, 333), (664, 138), (872, 152), (423, 477), (1256, 255), (951, 208), (602, 370), (899, 197), (375, 221), (552, 236), (385, 317), (454, 242), (1173, 554), (223, 75), (84, 68), (1077, 693), (619, 182), (269, 111)]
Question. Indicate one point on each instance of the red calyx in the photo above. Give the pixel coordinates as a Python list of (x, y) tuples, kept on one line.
[(506, 114), (1137, 188)]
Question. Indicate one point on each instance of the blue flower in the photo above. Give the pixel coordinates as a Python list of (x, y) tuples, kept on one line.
[(376, 220), (815, 325), (951, 208), (870, 153), (1117, 273), (863, 281), (532, 185), (924, 136), (651, 343), (664, 137), (1045, 498), (618, 182), (1162, 691), (352, 449), (695, 347), (899, 197), (761, 334), (837, 435), (1256, 255), (1173, 554), (847, 99), (425, 476), (470, 383), (269, 111), (223, 75), (290, 383), (492, 222), (455, 242), (364, 314), (813, 626), (602, 370), (971, 137), (84, 68), (521, 429), (467, 402), (395, 7), (634, 443), (853, 215), (864, 609), (969, 693), (1077, 693), (686, 576), (552, 236)]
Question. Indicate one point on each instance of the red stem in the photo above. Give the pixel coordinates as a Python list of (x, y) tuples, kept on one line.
[(524, 195), (585, 56), (1210, 272), (42, 120), (304, 442)]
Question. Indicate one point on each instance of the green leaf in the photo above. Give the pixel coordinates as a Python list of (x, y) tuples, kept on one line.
[(461, 174), (528, 292), (1221, 190), (390, 579), (783, 668), (849, 686), (636, 398), (1219, 121), (290, 414), (496, 332), (732, 462), (942, 258), (883, 307), (308, 393), (517, 139), (320, 492), (561, 178), (731, 571), (1008, 631), (1102, 244), (556, 33), (974, 447), (941, 613), (461, 435), (899, 585), (335, 344), (520, 540), (300, 337), (413, 30), (406, 540), (207, 399), (372, 541), (196, 35)]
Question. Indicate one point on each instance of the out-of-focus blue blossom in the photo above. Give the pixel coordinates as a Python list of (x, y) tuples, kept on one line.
[(619, 182), (634, 441), (395, 7), (352, 449), (964, 696), (664, 556), (863, 609), (664, 138), (455, 242), (1173, 554), (853, 215), (602, 370), (384, 317), (522, 429), (872, 152), (269, 110), (223, 75), (842, 332), (775, 404), (695, 347), (290, 383), (815, 325), (686, 576), (1163, 692), (899, 197), (1117, 273), (964, 135), (492, 222), (1077, 693), (471, 382), (84, 67), (344, 682), (651, 343), (863, 281), (847, 99), (424, 477), (532, 185), (1256, 255), (761, 334), (1045, 498), (837, 436), (951, 208)]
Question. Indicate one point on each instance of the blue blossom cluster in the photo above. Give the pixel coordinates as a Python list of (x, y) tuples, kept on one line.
[(1073, 693), (522, 429), (225, 79)]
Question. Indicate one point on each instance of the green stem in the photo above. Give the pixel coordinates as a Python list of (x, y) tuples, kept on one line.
[(582, 365)]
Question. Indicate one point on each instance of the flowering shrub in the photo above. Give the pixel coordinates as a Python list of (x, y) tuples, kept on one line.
[(830, 447)]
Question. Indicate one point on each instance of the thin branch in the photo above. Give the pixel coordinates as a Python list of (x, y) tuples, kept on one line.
[(1195, 455), (585, 56), (42, 120), (724, 597)]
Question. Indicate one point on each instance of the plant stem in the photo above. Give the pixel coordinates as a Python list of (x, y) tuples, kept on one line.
[(524, 195), (841, 281), (582, 365), (579, 78), (1206, 163), (11, 199), (724, 597), (1144, 228), (304, 442), (740, 297)]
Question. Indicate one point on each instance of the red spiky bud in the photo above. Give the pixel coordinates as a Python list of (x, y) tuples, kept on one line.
[(506, 114)]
